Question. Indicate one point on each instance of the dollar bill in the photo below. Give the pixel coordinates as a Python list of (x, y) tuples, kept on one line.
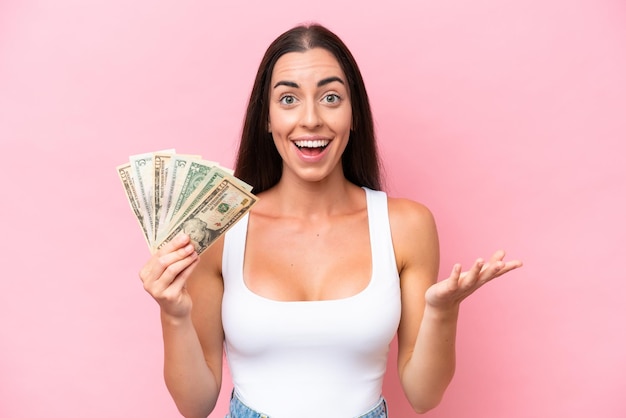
[(125, 175), (142, 169), (161, 169), (176, 174), (224, 205), (213, 177), (195, 176)]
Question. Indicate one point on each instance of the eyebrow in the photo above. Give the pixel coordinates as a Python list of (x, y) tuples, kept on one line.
[(320, 83)]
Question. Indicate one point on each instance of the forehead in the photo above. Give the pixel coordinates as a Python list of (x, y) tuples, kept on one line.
[(316, 63)]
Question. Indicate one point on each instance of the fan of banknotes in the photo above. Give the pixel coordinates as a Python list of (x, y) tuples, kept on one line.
[(171, 193)]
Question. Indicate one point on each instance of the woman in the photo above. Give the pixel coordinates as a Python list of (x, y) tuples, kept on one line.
[(307, 291)]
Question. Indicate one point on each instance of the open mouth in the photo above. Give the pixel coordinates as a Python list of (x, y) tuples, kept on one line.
[(312, 147)]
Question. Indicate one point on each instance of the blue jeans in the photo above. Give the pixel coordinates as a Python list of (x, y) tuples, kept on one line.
[(240, 410)]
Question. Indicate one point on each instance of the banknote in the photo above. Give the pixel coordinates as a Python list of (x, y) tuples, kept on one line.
[(126, 178), (176, 174), (161, 169), (142, 170), (169, 193), (201, 191), (195, 177), (221, 208)]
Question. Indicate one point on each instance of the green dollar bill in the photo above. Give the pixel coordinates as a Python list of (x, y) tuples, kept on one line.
[(215, 175), (195, 177), (225, 204), (176, 174)]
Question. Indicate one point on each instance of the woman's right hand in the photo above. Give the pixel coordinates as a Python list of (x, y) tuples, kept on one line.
[(164, 276)]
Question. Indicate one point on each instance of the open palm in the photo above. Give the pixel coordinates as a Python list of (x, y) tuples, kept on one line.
[(452, 291)]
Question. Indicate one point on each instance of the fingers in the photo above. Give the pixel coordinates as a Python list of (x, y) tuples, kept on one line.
[(497, 260), (497, 256), (470, 277), (179, 241), (496, 267), (167, 263), (481, 272), (180, 280), (462, 284), (508, 266), (455, 276)]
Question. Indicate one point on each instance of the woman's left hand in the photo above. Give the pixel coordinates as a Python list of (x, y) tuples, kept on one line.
[(449, 293)]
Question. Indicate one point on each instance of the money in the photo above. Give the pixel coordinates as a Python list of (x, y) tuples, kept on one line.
[(219, 210), (171, 193), (161, 168), (142, 173), (176, 174), (126, 177), (197, 188), (194, 179)]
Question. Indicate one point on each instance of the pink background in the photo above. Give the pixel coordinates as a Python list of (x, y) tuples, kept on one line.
[(507, 118)]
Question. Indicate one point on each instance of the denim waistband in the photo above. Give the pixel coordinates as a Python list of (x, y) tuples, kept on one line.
[(240, 410)]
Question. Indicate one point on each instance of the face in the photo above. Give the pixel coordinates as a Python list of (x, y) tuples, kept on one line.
[(196, 231), (310, 114)]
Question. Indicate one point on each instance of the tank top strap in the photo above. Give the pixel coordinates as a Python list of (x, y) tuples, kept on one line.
[(380, 230)]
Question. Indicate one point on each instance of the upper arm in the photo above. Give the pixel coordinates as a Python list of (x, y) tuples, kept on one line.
[(416, 246), (206, 288)]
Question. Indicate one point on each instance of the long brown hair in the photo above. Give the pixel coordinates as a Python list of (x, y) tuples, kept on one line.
[(258, 162)]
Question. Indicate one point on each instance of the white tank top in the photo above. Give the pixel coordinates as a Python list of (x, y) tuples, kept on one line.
[(312, 358)]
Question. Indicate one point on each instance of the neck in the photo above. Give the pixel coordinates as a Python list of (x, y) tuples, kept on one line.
[(295, 197)]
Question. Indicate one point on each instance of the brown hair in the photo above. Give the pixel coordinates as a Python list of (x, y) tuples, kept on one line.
[(258, 162)]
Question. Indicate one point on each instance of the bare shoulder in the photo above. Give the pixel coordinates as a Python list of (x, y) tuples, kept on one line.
[(408, 218), (409, 213), (414, 232)]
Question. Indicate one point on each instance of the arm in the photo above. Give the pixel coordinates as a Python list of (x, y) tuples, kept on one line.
[(178, 279), (427, 331)]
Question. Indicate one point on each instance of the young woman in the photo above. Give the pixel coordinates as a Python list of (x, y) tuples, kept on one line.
[(307, 291)]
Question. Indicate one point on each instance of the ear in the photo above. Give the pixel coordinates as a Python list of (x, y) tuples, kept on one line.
[(269, 128)]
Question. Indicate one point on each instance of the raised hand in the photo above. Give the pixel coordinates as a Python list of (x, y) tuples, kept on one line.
[(449, 293), (165, 274)]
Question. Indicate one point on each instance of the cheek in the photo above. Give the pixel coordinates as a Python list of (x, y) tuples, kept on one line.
[(341, 122), (281, 122)]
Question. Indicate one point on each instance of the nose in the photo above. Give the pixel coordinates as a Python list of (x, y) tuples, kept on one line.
[(310, 117)]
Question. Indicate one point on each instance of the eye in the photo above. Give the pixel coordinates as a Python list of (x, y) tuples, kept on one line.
[(287, 100), (331, 98)]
